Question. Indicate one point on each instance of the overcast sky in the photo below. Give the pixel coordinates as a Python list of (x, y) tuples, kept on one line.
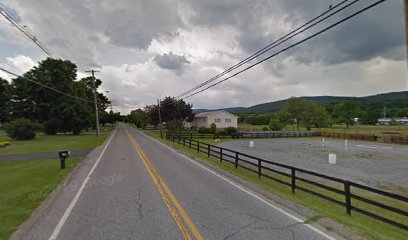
[(148, 49)]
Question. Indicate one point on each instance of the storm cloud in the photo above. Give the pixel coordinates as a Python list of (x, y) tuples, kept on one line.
[(153, 48), (172, 61)]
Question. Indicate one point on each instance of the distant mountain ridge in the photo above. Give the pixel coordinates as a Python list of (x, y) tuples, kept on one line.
[(277, 105)]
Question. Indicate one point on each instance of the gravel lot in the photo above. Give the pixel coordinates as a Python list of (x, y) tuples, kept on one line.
[(375, 164)]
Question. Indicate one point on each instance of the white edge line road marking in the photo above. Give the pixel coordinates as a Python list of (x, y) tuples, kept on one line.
[(67, 212), (245, 190)]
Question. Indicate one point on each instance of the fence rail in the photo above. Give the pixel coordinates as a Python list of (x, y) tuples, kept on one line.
[(340, 187), (269, 134)]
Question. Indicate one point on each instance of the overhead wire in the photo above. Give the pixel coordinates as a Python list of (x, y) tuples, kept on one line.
[(290, 46), (276, 43), (25, 32)]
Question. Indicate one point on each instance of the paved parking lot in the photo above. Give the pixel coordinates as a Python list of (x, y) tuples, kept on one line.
[(379, 165)]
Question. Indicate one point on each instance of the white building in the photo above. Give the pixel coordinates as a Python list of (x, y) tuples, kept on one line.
[(389, 121), (222, 119)]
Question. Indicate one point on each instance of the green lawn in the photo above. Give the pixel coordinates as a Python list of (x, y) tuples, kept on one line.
[(24, 185), (360, 224), (51, 143)]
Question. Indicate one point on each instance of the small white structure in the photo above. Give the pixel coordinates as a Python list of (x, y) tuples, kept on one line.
[(384, 121), (389, 121), (222, 119), (332, 158), (251, 144)]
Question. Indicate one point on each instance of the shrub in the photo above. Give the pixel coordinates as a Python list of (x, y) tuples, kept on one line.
[(275, 124), (22, 129), (230, 130), (213, 128), (202, 130), (265, 129)]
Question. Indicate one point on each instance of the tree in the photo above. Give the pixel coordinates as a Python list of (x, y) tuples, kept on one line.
[(57, 112), (171, 109), (4, 100), (320, 117), (372, 113), (346, 112), (275, 124), (213, 128), (139, 117), (295, 109)]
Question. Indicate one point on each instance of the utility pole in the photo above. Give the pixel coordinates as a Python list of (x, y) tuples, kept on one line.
[(160, 122), (385, 112), (406, 27), (95, 100)]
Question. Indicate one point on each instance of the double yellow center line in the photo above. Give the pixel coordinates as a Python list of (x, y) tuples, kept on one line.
[(168, 197)]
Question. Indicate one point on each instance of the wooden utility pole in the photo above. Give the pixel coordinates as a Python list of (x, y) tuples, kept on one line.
[(160, 122), (95, 100), (406, 27)]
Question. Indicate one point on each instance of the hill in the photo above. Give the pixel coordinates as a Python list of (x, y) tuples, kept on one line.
[(384, 98)]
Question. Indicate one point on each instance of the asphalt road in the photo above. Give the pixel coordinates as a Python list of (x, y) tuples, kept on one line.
[(136, 188)]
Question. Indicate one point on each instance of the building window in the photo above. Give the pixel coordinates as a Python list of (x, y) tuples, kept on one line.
[(228, 120), (217, 120)]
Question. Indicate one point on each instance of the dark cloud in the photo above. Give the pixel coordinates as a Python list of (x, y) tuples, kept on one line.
[(172, 61), (377, 32)]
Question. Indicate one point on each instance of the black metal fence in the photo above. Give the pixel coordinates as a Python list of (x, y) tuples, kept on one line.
[(312, 183), (268, 134)]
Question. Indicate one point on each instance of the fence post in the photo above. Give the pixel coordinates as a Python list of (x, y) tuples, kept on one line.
[(179, 138), (236, 159), (259, 168), (190, 143), (208, 154), (348, 196), (202, 135), (221, 155), (191, 135), (184, 142), (293, 176), (198, 146), (214, 135)]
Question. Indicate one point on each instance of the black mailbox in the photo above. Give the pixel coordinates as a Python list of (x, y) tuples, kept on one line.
[(63, 155)]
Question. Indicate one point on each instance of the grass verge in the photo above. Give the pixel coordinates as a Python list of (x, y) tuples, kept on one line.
[(358, 223), (24, 185), (52, 143)]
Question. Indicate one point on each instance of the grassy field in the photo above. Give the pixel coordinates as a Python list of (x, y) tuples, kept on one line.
[(360, 224), (378, 130), (23, 186), (50, 143)]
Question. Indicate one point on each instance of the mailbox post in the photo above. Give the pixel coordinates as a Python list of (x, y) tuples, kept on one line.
[(63, 155)]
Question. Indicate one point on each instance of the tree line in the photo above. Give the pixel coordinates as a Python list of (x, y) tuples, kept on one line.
[(298, 112), (26, 105)]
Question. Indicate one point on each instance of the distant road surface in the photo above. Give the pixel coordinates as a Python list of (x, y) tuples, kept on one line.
[(137, 188)]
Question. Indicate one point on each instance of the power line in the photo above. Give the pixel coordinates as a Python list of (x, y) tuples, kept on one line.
[(45, 86), (276, 43), (25, 31), (291, 46)]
